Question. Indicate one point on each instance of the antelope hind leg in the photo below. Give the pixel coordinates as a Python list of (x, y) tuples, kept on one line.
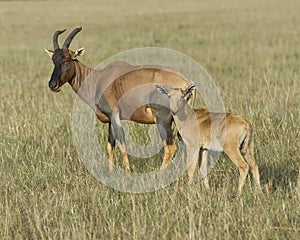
[(249, 156), (236, 157)]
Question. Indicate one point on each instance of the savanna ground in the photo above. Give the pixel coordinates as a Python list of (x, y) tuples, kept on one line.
[(252, 51)]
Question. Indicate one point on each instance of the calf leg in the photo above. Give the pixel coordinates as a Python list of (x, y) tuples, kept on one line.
[(249, 156), (192, 156), (204, 167), (235, 155)]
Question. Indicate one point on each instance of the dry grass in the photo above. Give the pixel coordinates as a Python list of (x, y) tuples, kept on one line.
[(251, 49)]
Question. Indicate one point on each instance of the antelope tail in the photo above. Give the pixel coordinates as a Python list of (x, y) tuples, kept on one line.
[(247, 140)]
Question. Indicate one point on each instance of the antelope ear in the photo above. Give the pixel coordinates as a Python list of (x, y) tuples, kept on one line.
[(189, 90), (162, 89), (49, 52), (79, 52)]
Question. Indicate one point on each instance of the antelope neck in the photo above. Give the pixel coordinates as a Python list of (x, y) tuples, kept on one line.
[(184, 116), (82, 73), (183, 112), (84, 84)]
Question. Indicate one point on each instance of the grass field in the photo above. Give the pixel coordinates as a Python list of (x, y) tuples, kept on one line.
[(252, 51)]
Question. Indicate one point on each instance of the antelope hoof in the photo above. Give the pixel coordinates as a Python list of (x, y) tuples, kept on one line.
[(111, 167), (127, 168), (163, 166), (205, 183), (190, 181)]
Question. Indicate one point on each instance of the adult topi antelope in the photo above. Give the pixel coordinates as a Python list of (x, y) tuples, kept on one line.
[(203, 130), (112, 94)]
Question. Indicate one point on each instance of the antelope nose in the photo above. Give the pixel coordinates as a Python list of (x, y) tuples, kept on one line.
[(52, 85), (174, 112)]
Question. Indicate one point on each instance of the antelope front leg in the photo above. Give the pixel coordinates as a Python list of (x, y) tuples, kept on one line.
[(192, 156), (110, 152), (110, 148), (120, 137), (166, 134), (204, 167), (169, 152), (123, 150)]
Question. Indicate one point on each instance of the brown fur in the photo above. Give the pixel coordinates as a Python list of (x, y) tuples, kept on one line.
[(111, 92)]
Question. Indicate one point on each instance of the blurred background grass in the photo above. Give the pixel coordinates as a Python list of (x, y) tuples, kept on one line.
[(252, 51)]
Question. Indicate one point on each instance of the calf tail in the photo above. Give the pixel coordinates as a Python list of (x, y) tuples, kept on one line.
[(247, 140)]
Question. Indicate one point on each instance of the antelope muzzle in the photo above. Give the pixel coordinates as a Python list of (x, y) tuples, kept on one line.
[(54, 83)]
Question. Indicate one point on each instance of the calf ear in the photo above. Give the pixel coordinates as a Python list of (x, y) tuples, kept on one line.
[(49, 52), (189, 90), (162, 89), (79, 52)]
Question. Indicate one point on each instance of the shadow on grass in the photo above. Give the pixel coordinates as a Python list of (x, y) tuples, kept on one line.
[(278, 177)]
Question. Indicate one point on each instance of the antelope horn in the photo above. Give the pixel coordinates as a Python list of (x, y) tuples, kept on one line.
[(71, 36), (55, 37)]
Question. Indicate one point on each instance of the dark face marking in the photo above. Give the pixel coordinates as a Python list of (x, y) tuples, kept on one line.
[(64, 69)]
